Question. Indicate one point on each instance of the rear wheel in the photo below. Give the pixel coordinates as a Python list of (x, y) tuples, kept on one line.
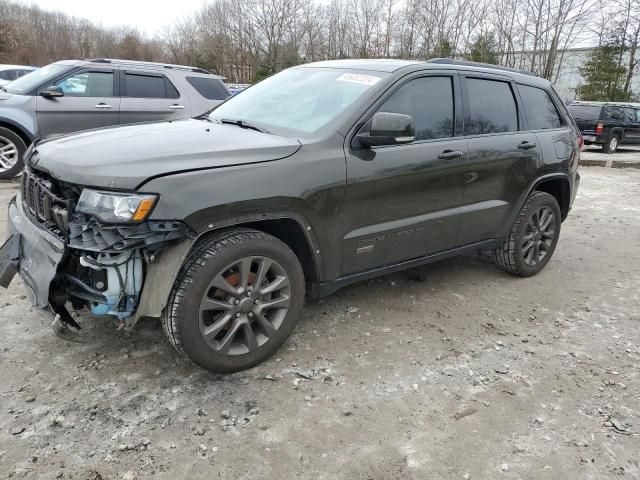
[(533, 237), (236, 300), (12, 149), (612, 144)]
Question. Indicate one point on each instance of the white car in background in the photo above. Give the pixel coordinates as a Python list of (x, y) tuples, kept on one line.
[(9, 73)]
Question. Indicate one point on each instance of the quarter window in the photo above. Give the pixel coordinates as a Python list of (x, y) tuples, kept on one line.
[(429, 101), (87, 84), (148, 86), (492, 107), (614, 113), (629, 115), (209, 88), (541, 111)]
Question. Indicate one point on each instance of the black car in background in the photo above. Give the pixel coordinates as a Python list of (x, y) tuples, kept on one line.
[(608, 124)]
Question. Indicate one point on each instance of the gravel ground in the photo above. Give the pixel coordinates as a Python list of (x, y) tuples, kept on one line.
[(449, 371)]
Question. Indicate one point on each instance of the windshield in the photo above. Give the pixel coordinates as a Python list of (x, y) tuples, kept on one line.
[(585, 112), (298, 101), (33, 80)]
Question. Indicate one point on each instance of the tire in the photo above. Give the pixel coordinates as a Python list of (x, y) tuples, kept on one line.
[(218, 339), (612, 144), (11, 164), (513, 256)]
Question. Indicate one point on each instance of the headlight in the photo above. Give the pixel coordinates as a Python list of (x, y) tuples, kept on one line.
[(116, 207)]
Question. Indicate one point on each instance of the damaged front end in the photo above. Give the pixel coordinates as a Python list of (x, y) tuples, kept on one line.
[(91, 249)]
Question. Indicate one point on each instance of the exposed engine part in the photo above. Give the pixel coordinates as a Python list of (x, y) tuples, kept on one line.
[(89, 233), (117, 278)]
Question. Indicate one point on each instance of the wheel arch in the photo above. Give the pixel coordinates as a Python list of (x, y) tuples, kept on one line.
[(24, 134), (291, 229), (559, 187)]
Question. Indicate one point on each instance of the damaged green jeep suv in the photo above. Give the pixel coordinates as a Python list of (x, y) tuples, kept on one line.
[(317, 177)]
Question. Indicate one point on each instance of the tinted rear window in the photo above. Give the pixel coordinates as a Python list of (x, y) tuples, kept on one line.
[(492, 108), (585, 112), (148, 86), (209, 88)]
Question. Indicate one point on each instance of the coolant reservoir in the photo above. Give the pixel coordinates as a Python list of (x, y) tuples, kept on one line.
[(124, 273)]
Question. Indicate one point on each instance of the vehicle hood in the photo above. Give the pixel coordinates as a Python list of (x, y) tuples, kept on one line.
[(124, 157)]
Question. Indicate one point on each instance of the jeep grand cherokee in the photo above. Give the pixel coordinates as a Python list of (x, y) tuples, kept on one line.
[(317, 177)]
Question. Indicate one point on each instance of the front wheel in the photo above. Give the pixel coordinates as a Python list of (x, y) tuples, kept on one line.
[(235, 301), (533, 238), (12, 149)]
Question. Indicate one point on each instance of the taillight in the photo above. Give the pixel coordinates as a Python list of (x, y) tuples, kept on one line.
[(580, 142), (599, 128)]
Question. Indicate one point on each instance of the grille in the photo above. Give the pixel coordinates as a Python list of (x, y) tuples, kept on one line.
[(43, 205)]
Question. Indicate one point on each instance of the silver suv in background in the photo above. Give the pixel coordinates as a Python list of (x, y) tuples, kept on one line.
[(9, 73), (72, 95)]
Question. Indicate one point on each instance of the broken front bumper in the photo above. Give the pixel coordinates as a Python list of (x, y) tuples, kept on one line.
[(30, 251)]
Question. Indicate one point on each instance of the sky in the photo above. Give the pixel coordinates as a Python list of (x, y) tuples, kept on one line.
[(149, 16)]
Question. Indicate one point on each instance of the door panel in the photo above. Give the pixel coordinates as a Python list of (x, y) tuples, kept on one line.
[(402, 202), (498, 173), (148, 97), (90, 101)]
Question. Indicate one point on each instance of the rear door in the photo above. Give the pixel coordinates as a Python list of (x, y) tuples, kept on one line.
[(503, 158), (150, 96), (90, 101), (632, 125)]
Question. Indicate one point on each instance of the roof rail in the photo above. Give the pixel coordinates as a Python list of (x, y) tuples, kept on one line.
[(149, 64), (451, 61)]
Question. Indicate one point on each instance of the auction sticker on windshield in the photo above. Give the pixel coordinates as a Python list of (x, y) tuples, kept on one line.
[(358, 78)]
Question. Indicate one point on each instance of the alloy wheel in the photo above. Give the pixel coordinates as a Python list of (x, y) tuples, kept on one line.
[(244, 305), (538, 236), (8, 154)]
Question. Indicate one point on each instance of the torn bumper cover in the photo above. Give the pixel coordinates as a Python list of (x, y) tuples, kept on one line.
[(124, 271), (32, 252)]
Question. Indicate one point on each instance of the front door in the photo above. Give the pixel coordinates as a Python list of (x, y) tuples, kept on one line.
[(90, 101), (402, 201)]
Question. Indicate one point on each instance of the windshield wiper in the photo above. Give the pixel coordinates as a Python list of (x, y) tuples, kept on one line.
[(242, 123)]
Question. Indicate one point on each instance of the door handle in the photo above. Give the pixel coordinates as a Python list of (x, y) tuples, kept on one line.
[(450, 154), (176, 107), (103, 105), (526, 145)]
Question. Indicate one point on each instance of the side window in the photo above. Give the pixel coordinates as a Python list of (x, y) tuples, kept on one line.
[(629, 115), (87, 84), (139, 85), (541, 111), (429, 101), (209, 88), (492, 108), (638, 115), (614, 113)]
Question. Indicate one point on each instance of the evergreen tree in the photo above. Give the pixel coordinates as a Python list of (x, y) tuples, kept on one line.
[(484, 49), (603, 78)]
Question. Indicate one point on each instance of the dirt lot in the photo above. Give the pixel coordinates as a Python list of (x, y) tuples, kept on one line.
[(450, 371)]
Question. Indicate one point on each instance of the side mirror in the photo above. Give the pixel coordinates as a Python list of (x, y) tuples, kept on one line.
[(389, 129), (52, 91)]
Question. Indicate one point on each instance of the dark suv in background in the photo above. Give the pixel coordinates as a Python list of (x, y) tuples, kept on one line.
[(317, 177), (608, 124), (73, 95)]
